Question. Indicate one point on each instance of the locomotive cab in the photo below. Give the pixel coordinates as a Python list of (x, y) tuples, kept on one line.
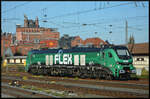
[(124, 63), (119, 60)]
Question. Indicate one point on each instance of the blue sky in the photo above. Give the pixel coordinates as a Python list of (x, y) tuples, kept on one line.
[(82, 18)]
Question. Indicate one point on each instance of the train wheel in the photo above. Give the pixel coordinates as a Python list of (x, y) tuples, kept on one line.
[(45, 71), (82, 76), (34, 71), (108, 77)]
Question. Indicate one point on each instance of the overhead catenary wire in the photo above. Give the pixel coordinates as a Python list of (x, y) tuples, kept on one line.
[(86, 11), (16, 7), (80, 11), (79, 23)]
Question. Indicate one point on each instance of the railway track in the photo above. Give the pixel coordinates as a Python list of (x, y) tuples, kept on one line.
[(10, 91), (106, 83), (17, 92), (140, 82), (99, 89)]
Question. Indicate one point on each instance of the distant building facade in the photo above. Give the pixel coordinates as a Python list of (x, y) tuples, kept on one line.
[(32, 36), (28, 37), (96, 42), (6, 41), (77, 41), (140, 52), (34, 33), (67, 41)]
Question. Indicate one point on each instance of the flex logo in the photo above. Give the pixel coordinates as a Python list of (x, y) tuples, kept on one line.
[(66, 59), (63, 58)]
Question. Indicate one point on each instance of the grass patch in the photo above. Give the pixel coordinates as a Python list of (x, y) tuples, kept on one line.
[(25, 78), (144, 74), (76, 78), (66, 78), (26, 87), (47, 91), (21, 69), (17, 74), (33, 88), (36, 76)]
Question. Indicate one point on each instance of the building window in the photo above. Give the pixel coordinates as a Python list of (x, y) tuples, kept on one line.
[(36, 41), (21, 61), (139, 59), (14, 60), (8, 60), (78, 41)]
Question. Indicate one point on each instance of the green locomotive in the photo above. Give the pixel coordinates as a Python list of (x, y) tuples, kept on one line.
[(107, 62)]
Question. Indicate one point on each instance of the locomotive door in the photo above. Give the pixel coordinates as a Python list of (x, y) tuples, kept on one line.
[(51, 59), (103, 58), (76, 59), (47, 60), (82, 59), (109, 60)]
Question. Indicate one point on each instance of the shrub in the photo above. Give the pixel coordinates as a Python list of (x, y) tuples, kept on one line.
[(145, 72)]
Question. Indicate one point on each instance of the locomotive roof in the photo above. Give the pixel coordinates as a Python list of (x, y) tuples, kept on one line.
[(66, 50), (114, 47)]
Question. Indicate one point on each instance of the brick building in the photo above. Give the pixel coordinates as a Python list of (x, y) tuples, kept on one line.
[(49, 43), (28, 37), (67, 41), (77, 41), (32, 36), (96, 42), (6, 41), (34, 33)]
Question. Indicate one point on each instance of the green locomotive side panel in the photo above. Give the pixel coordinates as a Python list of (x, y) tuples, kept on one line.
[(70, 58), (84, 58)]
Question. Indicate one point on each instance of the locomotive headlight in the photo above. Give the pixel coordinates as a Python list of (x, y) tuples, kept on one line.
[(122, 71), (117, 62), (133, 71)]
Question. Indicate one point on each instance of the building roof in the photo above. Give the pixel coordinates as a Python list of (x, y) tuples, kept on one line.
[(95, 40), (139, 48), (14, 57)]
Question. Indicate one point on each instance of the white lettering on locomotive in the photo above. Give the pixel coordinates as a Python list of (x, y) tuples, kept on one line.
[(56, 58), (67, 59)]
